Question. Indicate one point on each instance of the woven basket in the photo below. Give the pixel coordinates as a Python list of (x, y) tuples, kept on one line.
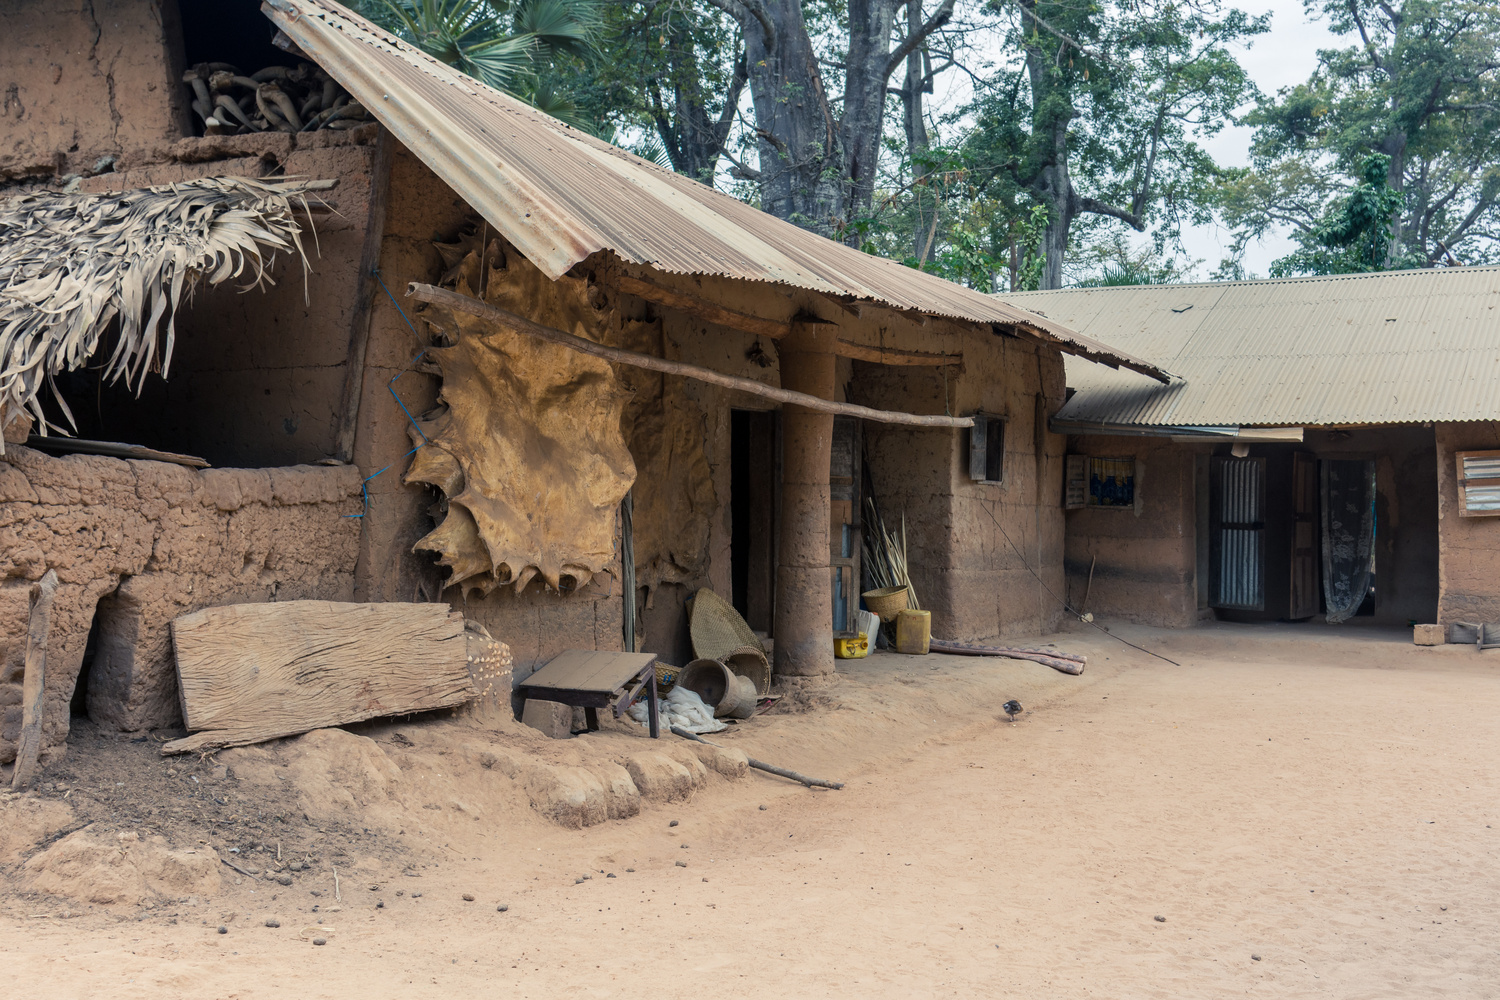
[(887, 602), (666, 677), (750, 661), (719, 633)]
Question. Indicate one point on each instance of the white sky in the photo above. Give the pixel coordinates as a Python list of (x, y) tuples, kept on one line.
[(1284, 56)]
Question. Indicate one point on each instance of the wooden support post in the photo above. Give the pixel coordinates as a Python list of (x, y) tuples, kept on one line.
[(38, 625), (804, 597), (366, 287)]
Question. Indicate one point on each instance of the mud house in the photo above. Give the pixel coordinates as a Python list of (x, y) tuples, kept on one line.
[(1327, 449), (371, 445)]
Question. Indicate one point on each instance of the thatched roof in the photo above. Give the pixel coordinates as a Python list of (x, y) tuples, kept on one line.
[(72, 266)]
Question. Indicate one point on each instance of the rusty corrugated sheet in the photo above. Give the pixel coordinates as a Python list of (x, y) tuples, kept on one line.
[(559, 195), (1393, 347)]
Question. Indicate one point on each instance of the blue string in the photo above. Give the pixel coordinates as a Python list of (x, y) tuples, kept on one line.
[(364, 485)]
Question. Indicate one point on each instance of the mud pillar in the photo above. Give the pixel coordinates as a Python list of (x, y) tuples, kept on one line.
[(804, 598)]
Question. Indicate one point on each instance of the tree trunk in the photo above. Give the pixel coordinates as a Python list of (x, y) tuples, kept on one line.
[(693, 137), (917, 141), (1394, 146), (1052, 184), (798, 135), (865, 79)]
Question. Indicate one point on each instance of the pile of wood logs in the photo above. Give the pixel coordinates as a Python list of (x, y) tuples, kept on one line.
[(273, 99)]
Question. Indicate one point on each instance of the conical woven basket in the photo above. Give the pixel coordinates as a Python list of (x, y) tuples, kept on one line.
[(719, 633)]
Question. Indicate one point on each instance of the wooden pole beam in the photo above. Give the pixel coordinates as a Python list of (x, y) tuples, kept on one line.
[(890, 356), (367, 284), (702, 308), (519, 324), (38, 625)]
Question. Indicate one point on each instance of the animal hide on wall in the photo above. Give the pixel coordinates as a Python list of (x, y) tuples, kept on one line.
[(527, 447), (530, 450), (674, 493)]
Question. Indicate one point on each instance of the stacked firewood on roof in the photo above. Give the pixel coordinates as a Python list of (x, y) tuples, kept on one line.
[(274, 99)]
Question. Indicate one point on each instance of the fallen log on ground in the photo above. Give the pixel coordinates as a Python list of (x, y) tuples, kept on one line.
[(1068, 663), (761, 765), (253, 672)]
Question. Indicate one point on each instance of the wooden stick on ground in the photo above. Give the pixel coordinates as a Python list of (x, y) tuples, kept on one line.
[(519, 324), (239, 869), (761, 765), (29, 746)]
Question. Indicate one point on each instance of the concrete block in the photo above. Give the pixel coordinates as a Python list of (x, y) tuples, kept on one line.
[(549, 717), (1429, 635)]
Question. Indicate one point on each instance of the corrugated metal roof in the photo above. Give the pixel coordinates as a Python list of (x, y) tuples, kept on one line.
[(1393, 347), (559, 195)]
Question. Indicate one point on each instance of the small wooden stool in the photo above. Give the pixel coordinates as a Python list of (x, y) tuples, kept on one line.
[(593, 680)]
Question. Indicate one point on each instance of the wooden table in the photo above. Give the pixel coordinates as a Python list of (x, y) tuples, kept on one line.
[(593, 679)]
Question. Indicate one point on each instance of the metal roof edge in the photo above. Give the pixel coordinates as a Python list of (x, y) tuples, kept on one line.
[(352, 51), (1409, 272)]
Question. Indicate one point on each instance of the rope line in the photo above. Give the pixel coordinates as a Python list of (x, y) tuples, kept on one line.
[(364, 485), (1066, 606)]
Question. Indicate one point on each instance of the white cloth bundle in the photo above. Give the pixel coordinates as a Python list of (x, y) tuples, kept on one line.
[(681, 708)]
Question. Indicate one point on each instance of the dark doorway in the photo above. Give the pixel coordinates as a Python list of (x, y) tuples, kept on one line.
[(754, 471), (230, 31)]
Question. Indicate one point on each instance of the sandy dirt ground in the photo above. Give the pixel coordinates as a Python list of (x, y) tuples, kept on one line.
[(1292, 811)]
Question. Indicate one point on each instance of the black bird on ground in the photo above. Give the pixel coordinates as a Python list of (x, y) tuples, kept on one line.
[(1012, 708)]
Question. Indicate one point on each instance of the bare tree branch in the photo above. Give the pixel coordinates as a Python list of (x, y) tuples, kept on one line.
[(756, 9), (1096, 207), (909, 44)]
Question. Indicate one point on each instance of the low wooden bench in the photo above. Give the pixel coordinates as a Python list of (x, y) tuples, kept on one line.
[(593, 679)]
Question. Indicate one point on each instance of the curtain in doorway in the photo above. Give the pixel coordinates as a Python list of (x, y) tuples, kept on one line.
[(1348, 535)]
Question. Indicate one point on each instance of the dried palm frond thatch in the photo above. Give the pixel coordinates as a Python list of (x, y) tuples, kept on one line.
[(71, 266)]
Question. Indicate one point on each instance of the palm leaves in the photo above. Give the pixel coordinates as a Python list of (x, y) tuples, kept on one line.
[(72, 265), (511, 48)]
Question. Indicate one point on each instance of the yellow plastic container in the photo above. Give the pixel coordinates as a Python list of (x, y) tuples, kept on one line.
[(914, 632), (855, 647)]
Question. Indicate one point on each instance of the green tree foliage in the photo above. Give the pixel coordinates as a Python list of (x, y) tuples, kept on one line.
[(1098, 114), (670, 85), (1419, 84), (1354, 236), (515, 47)]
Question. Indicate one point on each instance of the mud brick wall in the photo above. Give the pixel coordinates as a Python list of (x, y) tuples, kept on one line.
[(1468, 547), (1143, 560), (82, 79), (985, 558), (140, 543)]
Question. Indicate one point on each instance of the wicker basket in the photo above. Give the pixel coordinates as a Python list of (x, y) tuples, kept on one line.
[(751, 662), (887, 602), (666, 677)]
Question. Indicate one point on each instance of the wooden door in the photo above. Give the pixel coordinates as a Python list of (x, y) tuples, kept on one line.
[(1304, 602), (844, 538), (1237, 527)]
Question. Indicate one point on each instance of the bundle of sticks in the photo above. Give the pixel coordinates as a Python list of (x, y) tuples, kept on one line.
[(274, 99), (885, 555)]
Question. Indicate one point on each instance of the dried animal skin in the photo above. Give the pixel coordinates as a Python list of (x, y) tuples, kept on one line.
[(535, 431), (674, 500)]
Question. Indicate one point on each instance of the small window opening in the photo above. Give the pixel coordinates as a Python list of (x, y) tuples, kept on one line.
[(1099, 482), (987, 449)]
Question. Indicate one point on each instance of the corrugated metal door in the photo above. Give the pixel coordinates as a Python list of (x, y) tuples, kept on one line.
[(1237, 534)]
